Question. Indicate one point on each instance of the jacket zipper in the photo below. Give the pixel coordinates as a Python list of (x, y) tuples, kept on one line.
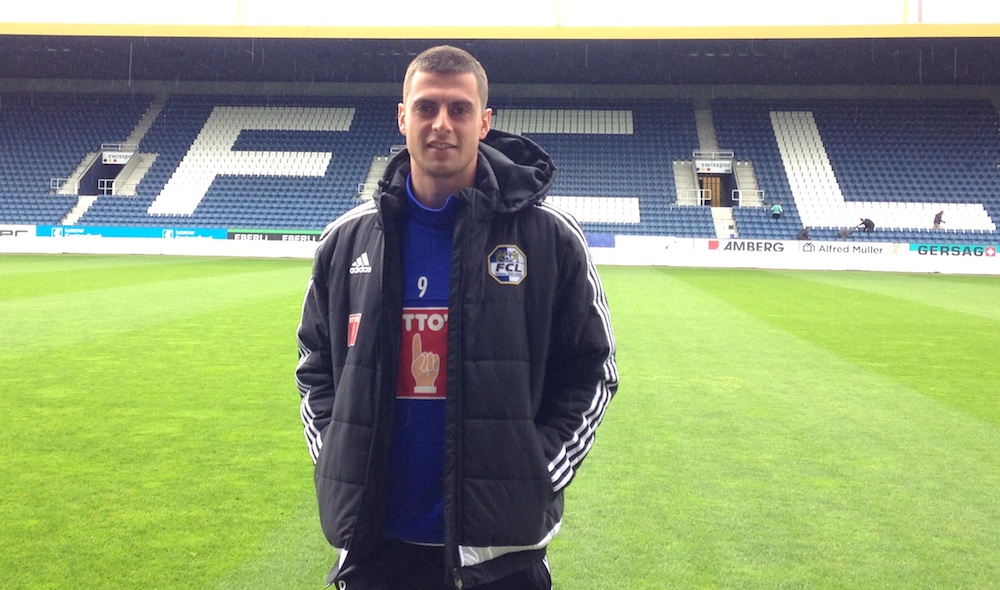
[(458, 254)]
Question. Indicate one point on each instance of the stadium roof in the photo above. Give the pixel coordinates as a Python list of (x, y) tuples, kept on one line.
[(883, 61)]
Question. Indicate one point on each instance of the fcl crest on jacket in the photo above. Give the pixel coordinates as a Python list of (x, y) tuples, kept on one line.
[(508, 265)]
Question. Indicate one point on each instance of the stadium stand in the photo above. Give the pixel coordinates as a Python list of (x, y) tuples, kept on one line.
[(616, 150), (897, 162), (46, 136), (297, 162), (292, 194)]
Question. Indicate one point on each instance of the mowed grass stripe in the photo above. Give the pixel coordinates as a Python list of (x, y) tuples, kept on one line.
[(57, 316), (971, 295), (293, 555), (26, 275), (740, 455), (944, 347), (165, 449)]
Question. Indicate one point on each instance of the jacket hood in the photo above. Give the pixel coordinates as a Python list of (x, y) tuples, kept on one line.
[(512, 173)]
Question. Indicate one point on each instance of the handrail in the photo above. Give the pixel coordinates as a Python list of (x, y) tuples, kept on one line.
[(120, 147), (713, 154), (57, 184), (738, 197)]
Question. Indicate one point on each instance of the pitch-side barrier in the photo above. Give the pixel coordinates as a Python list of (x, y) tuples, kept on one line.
[(932, 256)]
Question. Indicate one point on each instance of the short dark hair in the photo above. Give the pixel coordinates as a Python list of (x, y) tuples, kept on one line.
[(445, 59)]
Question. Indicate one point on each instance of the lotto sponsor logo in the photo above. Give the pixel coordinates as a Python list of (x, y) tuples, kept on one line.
[(424, 320), (361, 265), (423, 354)]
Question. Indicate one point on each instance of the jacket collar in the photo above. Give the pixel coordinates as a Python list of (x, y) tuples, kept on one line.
[(512, 173)]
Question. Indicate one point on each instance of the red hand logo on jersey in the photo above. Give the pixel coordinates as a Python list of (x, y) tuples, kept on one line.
[(423, 353), (425, 367)]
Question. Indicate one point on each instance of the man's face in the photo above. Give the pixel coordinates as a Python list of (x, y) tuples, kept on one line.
[(443, 121)]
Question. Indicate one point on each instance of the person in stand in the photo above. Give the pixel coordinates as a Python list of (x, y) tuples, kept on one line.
[(804, 234), (456, 354), (938, 219), (866, 224), (776, 210)]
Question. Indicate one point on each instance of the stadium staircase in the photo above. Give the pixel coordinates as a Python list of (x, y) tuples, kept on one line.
[(83, 203), (70, 185), (750, 194), (686, 183), (724, 222), (707, 140), (375, 172)]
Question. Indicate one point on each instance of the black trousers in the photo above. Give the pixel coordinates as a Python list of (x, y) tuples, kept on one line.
[(402, 566)]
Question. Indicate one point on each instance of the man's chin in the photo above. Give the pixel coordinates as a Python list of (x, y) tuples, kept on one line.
[(442, 170)]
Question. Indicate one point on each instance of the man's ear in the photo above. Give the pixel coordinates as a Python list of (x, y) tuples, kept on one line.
[(401, 118), (487, 119)]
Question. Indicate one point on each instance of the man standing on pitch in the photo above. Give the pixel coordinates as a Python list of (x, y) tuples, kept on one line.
[(456, 353)]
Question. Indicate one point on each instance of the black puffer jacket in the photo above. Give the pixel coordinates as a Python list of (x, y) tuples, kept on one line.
[(530, 364)]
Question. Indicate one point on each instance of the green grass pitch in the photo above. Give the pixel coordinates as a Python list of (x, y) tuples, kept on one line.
[(773, 429)]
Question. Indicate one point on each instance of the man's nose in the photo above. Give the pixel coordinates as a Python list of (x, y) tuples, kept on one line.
[(442, 122)]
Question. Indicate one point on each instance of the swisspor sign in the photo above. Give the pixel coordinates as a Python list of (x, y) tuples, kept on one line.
[(714, 166)]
